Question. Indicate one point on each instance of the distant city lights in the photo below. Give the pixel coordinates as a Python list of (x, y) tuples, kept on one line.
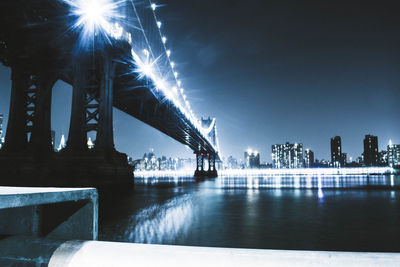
[(310, 171)]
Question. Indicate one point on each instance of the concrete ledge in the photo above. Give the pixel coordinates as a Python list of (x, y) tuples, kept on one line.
[(61, 213), (95, 253), (122, 254), (13, 197)]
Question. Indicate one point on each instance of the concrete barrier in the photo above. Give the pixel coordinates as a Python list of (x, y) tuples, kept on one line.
[(59, 213), (45, 252)]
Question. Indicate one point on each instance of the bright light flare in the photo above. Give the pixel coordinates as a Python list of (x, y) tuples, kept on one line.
[(94, 16), (144, 67)]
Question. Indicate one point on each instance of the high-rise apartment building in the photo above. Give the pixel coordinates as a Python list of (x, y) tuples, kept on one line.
[(287, 156), (308, 158), (393, 155), (336, 152), (371, 154), (1, 129)]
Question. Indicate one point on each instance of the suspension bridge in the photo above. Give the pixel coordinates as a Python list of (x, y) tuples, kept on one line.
[(113, 54)]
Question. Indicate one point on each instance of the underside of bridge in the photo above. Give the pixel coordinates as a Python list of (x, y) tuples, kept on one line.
[(27, 157), (40, 50)]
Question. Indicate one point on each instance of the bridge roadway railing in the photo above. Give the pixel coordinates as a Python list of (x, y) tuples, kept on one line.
[(20, 246)]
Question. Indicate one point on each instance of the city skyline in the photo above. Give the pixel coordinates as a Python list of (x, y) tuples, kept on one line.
[(279, 78), (264, 154)]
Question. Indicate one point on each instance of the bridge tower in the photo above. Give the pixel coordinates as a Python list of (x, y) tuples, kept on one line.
[(210, 125), (38, 57)]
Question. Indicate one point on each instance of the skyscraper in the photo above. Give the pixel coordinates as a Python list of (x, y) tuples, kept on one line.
[(277, 156), (287, 155), (90, 143), (1, 129), (383, 158), (252, 159), (53, 139), (344, 159), (232, 163), (371, 155), (62, 143), (309, 158), (393, 155), (336, 151)]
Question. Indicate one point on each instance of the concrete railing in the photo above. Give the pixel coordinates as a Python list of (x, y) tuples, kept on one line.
[(60, 213)]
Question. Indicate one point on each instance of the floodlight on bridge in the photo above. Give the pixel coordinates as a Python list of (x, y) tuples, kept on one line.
[(144, 67), (95, 16)]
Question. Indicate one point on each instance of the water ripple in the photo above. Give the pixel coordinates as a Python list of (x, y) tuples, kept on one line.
[(161, 223)]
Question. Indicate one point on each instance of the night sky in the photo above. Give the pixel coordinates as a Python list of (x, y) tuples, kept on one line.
[(271, 72)]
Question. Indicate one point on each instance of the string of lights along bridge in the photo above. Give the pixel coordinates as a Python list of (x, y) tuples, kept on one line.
[(151, 57)]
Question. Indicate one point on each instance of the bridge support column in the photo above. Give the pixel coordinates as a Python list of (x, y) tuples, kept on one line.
[(212, 171), (92, 104), (40, 141), (199, 165), (102, 167), (78, 125), (105, 135), (200, 172), (29, 121), (28, 148), (17, 130)]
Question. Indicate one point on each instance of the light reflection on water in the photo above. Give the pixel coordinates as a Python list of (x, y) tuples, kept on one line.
[(168, 180), (160, 223), (311, 182), (288, 182), (317, 212)]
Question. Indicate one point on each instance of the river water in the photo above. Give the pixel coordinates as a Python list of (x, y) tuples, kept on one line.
[(349, 213)]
